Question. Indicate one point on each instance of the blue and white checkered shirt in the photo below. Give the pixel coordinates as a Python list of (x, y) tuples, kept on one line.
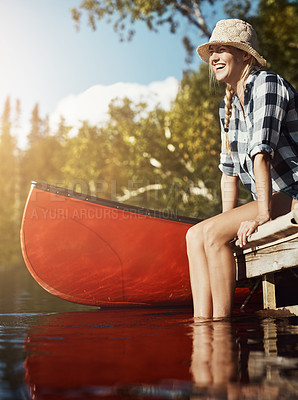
[(270, 125)]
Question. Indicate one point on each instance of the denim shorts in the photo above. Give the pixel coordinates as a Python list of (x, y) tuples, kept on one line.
[(291, 190)]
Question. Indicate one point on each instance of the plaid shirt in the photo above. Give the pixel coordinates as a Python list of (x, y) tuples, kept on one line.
[(270, 125)]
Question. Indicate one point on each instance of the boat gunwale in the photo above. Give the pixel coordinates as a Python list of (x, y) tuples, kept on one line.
[(167, 215)]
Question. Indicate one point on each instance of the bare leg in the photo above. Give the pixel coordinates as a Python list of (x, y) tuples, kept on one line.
[(199, 272), (221, 262), (211, 261)]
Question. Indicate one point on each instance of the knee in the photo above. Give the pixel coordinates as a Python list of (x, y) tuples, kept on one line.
[(211, 236), (194, 237), (204, 235)]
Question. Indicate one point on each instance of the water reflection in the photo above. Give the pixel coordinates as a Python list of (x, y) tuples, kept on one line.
[(243, 360), (53, 350), (109, 353), (277, 364), (159, 354), (215, 354)]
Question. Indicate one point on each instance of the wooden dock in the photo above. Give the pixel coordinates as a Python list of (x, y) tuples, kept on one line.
[(270, 251)]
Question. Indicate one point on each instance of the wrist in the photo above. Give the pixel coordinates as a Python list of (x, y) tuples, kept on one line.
[(263, 217), (264, 211)]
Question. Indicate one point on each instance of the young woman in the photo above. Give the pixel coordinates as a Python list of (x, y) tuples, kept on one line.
[(259, 124)]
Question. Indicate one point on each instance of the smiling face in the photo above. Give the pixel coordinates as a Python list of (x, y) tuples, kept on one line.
[(228, 63)]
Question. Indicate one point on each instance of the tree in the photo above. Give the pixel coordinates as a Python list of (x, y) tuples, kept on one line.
[(9, 223), (44, 157), (157, 159), (276, 23), (137, 140), (124, 13), (36, 132), (17, 117), (63, 130), (99, 160), (87, 160), (167, 160), (194, 136)]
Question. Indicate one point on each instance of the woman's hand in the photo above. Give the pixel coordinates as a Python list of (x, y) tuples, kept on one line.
[(264, 193), (248, 227)]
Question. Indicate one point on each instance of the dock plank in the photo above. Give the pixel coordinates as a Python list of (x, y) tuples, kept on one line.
[(271, 250), (269, 259)]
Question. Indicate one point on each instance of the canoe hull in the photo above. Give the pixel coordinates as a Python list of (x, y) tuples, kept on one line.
[(90, 253)]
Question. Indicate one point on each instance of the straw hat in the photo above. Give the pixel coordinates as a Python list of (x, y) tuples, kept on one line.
[(236, 33)]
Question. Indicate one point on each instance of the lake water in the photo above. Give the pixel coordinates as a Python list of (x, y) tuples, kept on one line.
[(53, 350)]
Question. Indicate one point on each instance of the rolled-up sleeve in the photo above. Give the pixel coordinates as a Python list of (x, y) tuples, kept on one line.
[(226, 164), (270, 100)]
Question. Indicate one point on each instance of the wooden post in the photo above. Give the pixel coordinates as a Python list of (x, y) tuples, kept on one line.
[(270, 348), (269, 299)]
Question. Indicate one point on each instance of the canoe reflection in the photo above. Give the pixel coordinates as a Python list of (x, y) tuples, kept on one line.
[(96, 352), (160, 354)]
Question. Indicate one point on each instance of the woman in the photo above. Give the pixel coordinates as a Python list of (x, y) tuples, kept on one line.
[(259, 123)]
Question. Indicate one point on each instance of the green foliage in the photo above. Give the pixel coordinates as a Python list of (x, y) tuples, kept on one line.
[(43, 159), (195, 135), (86, 161), (124, 13), (36, 126), (154, 13), (9, 222), (276, 24), (238, 9), (157, 159)]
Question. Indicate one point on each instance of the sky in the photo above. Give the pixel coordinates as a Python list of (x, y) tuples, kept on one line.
[(45, 60)]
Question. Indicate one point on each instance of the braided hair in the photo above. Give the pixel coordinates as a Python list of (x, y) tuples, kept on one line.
[(250, 66), (228, 113)]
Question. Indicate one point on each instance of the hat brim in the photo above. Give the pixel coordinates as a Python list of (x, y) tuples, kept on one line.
[(203, 51)]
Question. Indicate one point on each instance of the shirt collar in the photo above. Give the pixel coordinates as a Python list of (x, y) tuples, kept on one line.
[(251, 78), (248, 85)]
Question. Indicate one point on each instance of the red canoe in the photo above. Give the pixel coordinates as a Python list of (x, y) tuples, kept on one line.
[(93, 251)]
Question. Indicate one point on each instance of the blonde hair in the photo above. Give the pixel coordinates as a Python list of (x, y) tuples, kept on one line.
[(249, 67), (228, 113)]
